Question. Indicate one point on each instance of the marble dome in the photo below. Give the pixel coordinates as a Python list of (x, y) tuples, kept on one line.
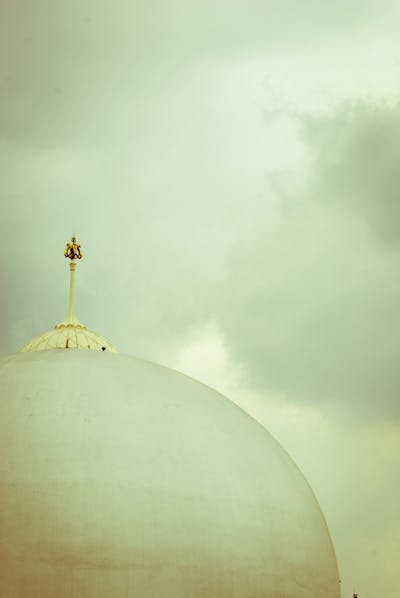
[(123, 478)]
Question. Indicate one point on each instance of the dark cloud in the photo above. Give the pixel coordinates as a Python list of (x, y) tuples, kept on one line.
[(357, 152), (313, 297)]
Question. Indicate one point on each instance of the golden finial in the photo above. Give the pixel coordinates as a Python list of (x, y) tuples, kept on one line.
[(70, 333), (73, 250)]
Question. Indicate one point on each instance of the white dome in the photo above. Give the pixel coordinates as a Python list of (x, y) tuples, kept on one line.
[(123, 479), (69, 336)]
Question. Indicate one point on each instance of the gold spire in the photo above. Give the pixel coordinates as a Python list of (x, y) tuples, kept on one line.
[(73, 252), (70, 334)]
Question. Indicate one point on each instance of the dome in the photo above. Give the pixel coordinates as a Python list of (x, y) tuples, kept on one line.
[(123, 478), (69, 336)]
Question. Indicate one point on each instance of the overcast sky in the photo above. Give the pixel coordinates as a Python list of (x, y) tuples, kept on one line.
[(231, 170)]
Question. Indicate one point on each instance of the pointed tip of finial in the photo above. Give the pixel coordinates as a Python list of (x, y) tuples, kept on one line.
[(73, 250)]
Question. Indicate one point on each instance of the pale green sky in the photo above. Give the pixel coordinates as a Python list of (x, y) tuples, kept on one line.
[(231, 170)]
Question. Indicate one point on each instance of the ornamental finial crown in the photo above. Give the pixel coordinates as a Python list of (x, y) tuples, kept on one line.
[(73, 250)]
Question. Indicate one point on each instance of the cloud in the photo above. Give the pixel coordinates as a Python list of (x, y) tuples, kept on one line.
[(356, 153), (311, 303)]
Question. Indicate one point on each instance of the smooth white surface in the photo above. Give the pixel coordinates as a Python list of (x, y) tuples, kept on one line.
[(123, 478)]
